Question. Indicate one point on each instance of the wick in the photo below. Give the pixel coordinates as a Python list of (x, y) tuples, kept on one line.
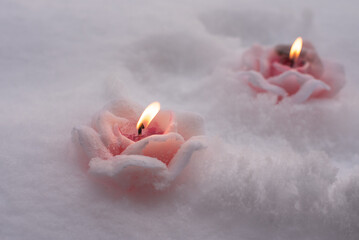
[(140, 129), (292, 63)]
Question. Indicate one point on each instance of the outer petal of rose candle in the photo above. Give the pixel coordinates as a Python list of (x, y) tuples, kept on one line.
[(107, 125), (184, 154), (334, 76), (119, 163), (104, 123), (257, 81), (131, 170), (315, 63), (256, 58), (308, 89), (139, 146), (163, 151), (125, 108), (189, 124), (90, 142), (291, 81), (287, 78), (121, 143)]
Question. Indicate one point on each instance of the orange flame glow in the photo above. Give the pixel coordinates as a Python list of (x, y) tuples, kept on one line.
[(296, 49), (148, 114)]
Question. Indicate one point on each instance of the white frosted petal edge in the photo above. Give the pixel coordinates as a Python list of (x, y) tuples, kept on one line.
[(257, 80), (90, 142), (184, 154), (138, 170), (307, 89), (120, 163)]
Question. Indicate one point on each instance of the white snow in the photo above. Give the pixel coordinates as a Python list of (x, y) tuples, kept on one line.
[(270, 171)]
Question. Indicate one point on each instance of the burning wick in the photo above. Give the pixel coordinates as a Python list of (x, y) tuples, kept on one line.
[(147, 116), (295, 51), (140, 129)]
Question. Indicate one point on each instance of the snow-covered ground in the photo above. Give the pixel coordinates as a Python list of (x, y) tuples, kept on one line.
[(271, 171)]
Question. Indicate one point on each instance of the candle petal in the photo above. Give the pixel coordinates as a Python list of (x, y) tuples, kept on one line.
[(139, 146), (308, 89), (189, 124), (104, 123), (288, 76), (334, 76), (257, 81), (90, 142), (184, 154), (137, 170), (130, 170)]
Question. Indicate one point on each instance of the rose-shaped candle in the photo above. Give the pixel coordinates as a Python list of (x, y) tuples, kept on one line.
[(152, 150), (293, 71)]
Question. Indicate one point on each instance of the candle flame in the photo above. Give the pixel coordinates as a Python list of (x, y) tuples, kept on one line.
[(296, 49), (148, 114)]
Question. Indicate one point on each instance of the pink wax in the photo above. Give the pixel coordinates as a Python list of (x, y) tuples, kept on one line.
[(160, 124), (163, 151)]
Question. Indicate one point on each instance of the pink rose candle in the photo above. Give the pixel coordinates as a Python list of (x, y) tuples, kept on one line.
[(294, 71), (134, 149)]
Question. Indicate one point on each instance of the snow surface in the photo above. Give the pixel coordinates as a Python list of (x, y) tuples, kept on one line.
[(269, 172)]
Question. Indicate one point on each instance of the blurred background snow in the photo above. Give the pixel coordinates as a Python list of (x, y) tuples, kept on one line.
[(270, 171)]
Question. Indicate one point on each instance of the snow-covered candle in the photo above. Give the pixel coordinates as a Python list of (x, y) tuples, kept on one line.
[(295, 71), (134, 149)]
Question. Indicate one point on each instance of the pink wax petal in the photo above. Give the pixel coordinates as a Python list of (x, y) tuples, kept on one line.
[(257, 81), (125, 109), (163, 151), (282, 79), (104, 122), (278, 68), (189, 124), (334, 76), (90, 142), (120, 145), (291, 80), (309, 88), (138, 147), (130, 171), (184, 154), (109, 128), (256, 58)]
